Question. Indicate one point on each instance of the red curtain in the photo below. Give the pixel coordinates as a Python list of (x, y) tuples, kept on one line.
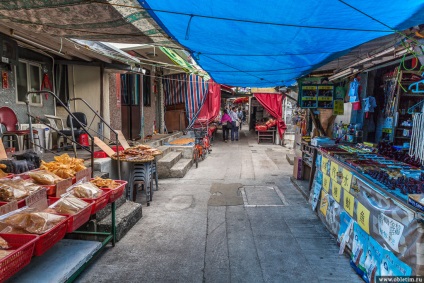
[(210, 109), (273, 103)]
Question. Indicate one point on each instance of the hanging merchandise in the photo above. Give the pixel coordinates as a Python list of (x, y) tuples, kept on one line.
[(46, 85), (416, 148), (354, 91), (369, 105)]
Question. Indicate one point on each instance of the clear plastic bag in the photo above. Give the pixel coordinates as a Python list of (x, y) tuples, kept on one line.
[(44, 177), (85, 190), (10, 193), (68, 204)]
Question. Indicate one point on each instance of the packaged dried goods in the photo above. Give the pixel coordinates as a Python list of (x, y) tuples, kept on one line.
[(44, 177), (64, 166), (4, 253), (68, 205), (2, 173), (86, 190), (32, 222), (10, 193)]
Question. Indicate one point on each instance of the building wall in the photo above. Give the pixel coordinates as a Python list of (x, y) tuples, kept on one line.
[(114, 108), (8, 96), (150, 111)]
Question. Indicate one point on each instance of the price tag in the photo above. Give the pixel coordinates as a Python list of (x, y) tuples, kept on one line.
[(324, 163), (347, 179), (348, 202), (38, 199), (62, 186), (122, 140), (309, 87), (326, 182), (336, 190), (86, 173), (11, 206), (325, 98), (312, 98), (363, 217), (334, 169)]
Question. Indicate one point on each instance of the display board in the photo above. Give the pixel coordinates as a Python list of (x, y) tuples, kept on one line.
[(387, 235), (317, 96)]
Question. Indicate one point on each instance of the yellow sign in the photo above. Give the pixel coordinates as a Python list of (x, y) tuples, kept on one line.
[(363, 217), (336, 190), (326, 182), (346, 179), (338, 108), (324, 203), (325, 98), (348, 202), (309, 87), (327, 87), (324, 162), (309, 98), (334, 170), (387, 131)]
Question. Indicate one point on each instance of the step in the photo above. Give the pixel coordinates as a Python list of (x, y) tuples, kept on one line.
[(186, 150), (290, 158), (165, 149), (169, 160), (102, 164), (105, 212), (180, 168), (126, 217)]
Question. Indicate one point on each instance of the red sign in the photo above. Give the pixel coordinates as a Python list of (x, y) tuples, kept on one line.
[(5, 79)]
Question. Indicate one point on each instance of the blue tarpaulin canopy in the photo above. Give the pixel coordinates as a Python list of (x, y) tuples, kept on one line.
[(269, 43)]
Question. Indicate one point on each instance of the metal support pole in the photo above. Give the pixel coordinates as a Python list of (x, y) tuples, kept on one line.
[(31, 133), (113, 223)]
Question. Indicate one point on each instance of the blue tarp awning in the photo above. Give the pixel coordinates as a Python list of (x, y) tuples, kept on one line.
[(269, 43)]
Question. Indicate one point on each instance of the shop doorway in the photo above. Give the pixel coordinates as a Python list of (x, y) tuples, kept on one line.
[(131, 88)]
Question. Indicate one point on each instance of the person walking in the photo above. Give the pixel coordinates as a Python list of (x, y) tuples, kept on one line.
[(235, 127), (240, 117), (226, 123)]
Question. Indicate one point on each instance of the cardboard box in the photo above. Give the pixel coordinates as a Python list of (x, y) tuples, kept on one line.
[(297, 168), (417, 201)]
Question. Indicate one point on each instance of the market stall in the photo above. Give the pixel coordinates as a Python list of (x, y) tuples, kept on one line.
[(374, 205)]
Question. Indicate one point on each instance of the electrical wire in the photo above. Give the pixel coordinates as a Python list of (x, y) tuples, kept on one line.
[(236, 20)]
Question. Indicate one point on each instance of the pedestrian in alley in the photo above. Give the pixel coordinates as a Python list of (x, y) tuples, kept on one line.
[(226, 123), (240, 117), (235, 125)]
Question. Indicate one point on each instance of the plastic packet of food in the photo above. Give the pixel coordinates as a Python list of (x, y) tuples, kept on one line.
[(10, 193), (86, 190), (31, 221), (44, 177), (68, 204), (4, 253), (104, 183)]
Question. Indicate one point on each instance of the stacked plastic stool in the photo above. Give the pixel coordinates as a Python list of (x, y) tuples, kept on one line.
[(142, 175)]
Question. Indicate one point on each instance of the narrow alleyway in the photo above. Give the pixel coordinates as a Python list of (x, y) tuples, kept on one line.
[(198, 230)]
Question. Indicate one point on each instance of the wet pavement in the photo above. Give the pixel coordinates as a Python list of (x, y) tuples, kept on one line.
[(236, 218)]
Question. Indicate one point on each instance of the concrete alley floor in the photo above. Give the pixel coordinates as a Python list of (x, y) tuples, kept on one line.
[(273, 236)]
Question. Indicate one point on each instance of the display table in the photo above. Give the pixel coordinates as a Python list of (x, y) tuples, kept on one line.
[(388, 233), (268, 135)]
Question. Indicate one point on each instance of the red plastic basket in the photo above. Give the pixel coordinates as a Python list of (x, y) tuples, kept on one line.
[(102, 154), (23, 246), (117, 192), (50, 189), (76, 220), (98, 203), (50, 238)]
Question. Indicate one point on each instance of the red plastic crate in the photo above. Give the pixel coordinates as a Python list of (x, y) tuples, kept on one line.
[(76, 220), (102, 154), (117, 192), (23, 246), (8, 176), (98, 203), (50, 238), (50, 189)]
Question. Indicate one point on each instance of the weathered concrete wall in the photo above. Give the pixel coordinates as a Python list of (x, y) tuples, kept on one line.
[(8, 96)]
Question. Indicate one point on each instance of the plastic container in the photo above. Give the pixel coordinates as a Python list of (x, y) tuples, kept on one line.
[(23, 246), (50, 189), (102, 154), (117, 192), (50, 238), (98, 203), (76, 220)]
